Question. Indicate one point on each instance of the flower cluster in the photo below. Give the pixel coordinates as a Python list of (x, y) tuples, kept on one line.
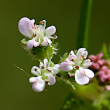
[(101, 67), (97, 61), (76, 65), (37, 34), (38, 41), (44, 73), (104, 75)]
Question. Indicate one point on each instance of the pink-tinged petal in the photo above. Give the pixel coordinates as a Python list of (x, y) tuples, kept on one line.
[(49, 41), (32, 79), (89, 73), (104, 78), (30, 44), (80, 78), (51, 79), (36, 44), (66, 66), (25, 26), (45, 43), (87, 63), (100, 62), (32, 23), (50, 30), (71, 75), (39, 85), (72, 57), (99, 56), (92, 57), (104, 68), (101, 73), (82, 52), (95, 66)]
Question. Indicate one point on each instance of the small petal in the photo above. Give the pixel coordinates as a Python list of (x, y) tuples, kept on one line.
[(72, 56), (100, 62), (87, 63), (50, 30), (36, 44), (35, 70), (55, 69), (46, 41), (92, 57), (51, 79), (25, 26), (80, 78), (95, 66), (30, 44), (45, 62), (89, 73), (32, 79), (82, 52), (66, 66), (39, 85), (99, 56)]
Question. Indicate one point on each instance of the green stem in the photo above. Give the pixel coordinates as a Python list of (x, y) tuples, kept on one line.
[(83, 31), (82, 41)]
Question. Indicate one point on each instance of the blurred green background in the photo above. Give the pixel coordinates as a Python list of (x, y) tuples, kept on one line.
[(15, 90)]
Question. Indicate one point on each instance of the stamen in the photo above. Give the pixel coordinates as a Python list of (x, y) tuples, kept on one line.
[(35, 69), (49, 69), (72, 60), (41, 22), (54, 35), (77, 67), (43, 66), (83, 57), (35, 26)]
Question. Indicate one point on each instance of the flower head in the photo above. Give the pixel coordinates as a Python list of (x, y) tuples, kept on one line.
[(77, 64), (97, 61), (44, 73), (37, 34), (104, 75)]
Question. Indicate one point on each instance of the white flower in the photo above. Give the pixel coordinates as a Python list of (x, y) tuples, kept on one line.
[(82, 76), (78, 63), (44, 73), (37, 33), (74, 61), (38, 84)]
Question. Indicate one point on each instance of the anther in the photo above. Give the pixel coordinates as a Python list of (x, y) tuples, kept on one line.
[(35, 69), (72, 60), (77, 67), (49, 69), (54, 35), (41, 22), (43, 66)]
